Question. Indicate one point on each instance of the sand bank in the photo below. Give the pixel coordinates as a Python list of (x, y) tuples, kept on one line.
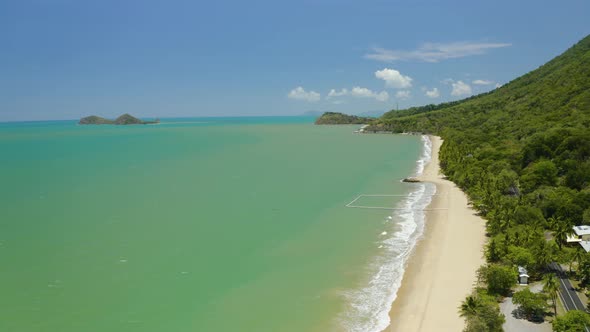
[(441, 271)]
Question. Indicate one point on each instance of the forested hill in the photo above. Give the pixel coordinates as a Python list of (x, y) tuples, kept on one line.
[(340, 118), (522, 154), (125, 119), (556, 93), (530, 136)]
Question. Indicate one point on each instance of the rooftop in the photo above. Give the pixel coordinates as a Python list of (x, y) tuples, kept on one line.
[(585, 245), (573, 238), (582, 230)]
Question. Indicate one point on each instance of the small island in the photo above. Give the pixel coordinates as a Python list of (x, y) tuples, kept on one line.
[(125, 119), (332, 118)]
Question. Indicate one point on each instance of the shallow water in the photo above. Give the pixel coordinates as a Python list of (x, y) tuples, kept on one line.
[(225, 224)]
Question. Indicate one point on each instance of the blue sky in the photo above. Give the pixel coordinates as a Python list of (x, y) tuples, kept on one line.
[(63, 59)]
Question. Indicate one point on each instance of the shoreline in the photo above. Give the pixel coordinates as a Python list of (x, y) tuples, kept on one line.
[(440, 272)]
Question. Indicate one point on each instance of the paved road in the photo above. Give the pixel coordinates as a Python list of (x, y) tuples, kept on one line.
[(567, 293)]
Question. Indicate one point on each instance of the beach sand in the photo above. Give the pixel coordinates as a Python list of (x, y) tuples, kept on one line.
[(441, 271)]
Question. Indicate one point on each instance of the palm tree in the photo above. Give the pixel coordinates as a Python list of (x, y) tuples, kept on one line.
[(584, 270), (562, 231), (516, 238), (550, 287), (505, 224), (543, 255), (492, 251), (532, 234), (554, 222), (470, 307), (577, 257)]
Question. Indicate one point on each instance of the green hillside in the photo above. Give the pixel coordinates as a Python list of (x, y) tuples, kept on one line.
[(556, 90), (533, 133), (522, 154), (340, 118), (125, 119)]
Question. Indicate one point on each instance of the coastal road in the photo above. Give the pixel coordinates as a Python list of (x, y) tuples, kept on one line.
[(567, 293)]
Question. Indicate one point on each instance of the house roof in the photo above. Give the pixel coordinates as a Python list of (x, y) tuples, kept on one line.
[(522, 271), (573, 238), (585, 245), (582, 230)]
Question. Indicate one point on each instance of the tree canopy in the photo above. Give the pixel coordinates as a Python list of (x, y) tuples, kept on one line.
[(340, 118), (522, 154), (572, 321)]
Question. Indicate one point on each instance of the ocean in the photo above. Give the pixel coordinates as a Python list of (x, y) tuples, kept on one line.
[(205, 224)]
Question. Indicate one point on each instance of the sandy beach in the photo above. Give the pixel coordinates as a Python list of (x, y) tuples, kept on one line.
[(441, 271)]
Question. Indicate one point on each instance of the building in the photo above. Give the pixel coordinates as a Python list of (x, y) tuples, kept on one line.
[(523, 277), (581, 235)]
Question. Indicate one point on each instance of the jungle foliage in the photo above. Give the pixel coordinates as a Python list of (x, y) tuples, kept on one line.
[(522, 154), (332, 118)]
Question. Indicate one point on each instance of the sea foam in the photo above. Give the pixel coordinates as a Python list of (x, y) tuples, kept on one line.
[(369, 306)]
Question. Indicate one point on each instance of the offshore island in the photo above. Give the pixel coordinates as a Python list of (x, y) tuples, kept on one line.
[(125, 119)]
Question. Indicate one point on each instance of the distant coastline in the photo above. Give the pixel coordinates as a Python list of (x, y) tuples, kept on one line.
[(331, 118), (125, 119)]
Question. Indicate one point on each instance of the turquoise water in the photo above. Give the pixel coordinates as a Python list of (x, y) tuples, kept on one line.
[(213, 224)]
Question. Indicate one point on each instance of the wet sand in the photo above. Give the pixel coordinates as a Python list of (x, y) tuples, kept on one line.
[(441, 271)]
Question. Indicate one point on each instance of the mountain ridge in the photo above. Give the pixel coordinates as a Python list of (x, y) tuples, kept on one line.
[(521, 153)]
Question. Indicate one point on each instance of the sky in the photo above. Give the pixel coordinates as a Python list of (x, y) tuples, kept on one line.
[(64, 59)]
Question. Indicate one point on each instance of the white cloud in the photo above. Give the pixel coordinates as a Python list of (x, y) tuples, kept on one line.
[(359, 93), (403, 94), (300, 94), (433, 93), (498, 85), (434, 52), (366, 93), (394, 79), (382, 96), (334, 93), (460, 89), (482, 82)]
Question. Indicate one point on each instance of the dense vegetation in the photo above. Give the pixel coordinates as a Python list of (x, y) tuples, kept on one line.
[(573, 321), (522, 154), (339, 118), (125, 119), (93, 119)]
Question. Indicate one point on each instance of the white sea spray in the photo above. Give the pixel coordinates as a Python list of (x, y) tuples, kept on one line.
[(369, 306)]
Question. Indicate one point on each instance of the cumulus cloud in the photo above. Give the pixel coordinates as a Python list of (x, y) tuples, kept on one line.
[(366, 93), (433, 93), (460, 89), (498, 85), (482, 82), (403, 94), (300, 94), (434, 52), (334, 93), (393, 78), (358, 92)]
